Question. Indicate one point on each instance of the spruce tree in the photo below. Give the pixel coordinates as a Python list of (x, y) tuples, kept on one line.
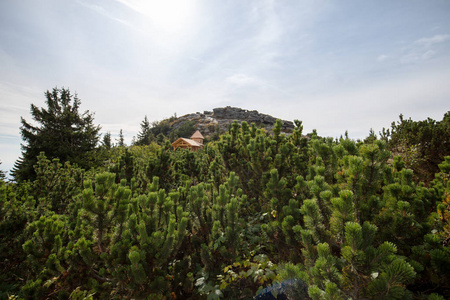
[(61, 131), (121, 139), (2, 173), (106, 142), (145, 135)]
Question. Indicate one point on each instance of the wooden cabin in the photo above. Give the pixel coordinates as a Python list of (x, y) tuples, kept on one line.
[(194, 143)]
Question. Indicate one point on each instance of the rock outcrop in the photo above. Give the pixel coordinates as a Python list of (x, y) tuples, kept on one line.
[(220, 119)]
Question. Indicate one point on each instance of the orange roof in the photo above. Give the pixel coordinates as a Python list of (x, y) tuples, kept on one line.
[(189, 141), (197, 135)]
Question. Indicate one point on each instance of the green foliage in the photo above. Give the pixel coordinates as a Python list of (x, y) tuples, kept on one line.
[(341, 219), (145, 135), (61, 132), (161, 131), (106, 141), (2, 174), (121, 139), (422, 144), (243, 278), (56, 185), (17, 209)]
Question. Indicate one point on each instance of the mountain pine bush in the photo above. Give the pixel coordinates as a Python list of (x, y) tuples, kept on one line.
[(333, 218)]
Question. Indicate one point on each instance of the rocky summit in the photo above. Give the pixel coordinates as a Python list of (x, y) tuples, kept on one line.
[(210, 122)]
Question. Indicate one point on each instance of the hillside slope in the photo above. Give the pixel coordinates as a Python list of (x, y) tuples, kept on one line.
[(218, 120)]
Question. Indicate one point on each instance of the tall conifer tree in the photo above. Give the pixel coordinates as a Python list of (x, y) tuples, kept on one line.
[(59, 130), (145, 136)]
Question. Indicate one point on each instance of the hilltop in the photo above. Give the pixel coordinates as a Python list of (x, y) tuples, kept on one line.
[(218, 120)]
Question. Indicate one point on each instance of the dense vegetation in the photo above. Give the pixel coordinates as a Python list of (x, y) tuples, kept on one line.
[(350, 219), (162, 131)]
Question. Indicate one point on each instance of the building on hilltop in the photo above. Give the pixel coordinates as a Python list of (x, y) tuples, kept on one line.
[(194, 143)]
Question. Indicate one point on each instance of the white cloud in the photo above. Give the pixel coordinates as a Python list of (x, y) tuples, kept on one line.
[(437, 39), (266, 16), (374, 104), (429, 54), (410, 58), (242, 80), (423, 49), (102, 11), (382, 58)]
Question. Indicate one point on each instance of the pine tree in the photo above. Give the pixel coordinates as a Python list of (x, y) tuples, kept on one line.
[(56, 185), (422, 144)]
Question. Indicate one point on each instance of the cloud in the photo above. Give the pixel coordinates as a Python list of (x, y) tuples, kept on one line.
[(243, 80), (429, 54), (437, 39), (269, 21), (423, 48), (382, 57), (374, 104), (102, 11)]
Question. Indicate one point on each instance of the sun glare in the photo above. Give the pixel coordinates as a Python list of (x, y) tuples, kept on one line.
[(167, 15)]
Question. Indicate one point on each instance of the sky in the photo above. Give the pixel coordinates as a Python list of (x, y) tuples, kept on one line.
[(335, 65)]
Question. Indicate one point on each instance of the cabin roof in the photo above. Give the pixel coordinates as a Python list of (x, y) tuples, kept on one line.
[(197, 135), (188, 141)]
